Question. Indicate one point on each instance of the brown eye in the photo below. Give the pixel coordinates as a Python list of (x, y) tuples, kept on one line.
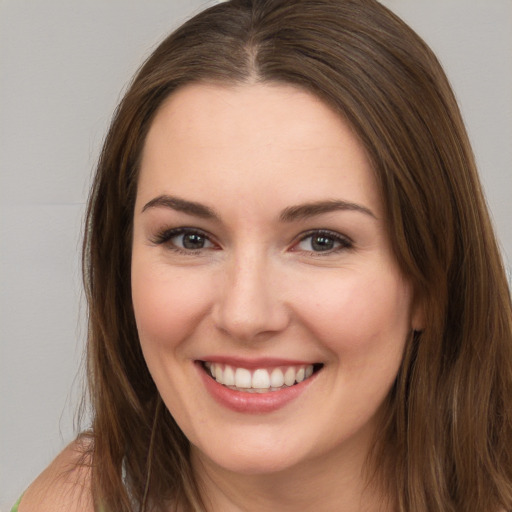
[(184, 239), (191, 241), (323, 241)]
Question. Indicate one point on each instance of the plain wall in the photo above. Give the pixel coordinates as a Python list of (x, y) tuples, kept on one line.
[(63, 66)]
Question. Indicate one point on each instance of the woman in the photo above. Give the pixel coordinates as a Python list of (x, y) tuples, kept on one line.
[(295, 295)]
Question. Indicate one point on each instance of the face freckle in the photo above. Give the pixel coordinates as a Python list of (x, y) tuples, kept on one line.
[(260, 244)]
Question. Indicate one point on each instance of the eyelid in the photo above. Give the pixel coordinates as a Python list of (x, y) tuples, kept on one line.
[(345, 241), (163, 236)]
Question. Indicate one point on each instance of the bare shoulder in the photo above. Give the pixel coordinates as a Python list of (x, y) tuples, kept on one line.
[(65, 485)]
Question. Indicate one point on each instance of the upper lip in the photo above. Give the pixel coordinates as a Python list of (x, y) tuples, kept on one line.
[(260, 362)]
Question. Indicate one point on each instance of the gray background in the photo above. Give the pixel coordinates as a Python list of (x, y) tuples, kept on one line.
[(63, 67)]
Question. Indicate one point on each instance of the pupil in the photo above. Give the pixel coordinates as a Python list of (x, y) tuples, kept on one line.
[(193, 241), (322, 243)]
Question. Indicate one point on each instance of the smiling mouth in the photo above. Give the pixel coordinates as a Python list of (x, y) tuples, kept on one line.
[(259, 380)]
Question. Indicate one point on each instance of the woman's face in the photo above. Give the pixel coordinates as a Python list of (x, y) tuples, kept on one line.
[(260, 255)]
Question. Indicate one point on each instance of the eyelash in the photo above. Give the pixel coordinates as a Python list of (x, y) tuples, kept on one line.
[(344, 242), (166, 235)]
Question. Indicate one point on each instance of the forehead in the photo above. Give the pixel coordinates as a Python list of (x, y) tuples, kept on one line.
[(214, 142)]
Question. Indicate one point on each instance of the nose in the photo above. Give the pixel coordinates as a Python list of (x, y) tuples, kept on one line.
[(250, 304)]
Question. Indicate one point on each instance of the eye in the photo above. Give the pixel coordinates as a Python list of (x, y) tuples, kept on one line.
[(323, 241), (184, 239), (191, 241)]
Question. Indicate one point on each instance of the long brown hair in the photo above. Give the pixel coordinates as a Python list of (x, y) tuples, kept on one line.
[(446, 442)]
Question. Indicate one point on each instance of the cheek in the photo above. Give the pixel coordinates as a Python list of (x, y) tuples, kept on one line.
[(363, 315), (168, 305)]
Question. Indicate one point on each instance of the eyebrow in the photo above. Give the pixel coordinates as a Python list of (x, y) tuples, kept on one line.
[(302, 211), (289, 214), (182, 205)]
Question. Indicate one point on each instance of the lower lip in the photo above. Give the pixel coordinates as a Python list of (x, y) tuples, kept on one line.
[(253, 403)]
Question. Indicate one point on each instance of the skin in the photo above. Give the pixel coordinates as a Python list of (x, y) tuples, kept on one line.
[(259, 288), (64, 486)]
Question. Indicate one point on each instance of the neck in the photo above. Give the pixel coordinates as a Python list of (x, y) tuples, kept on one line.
[(335, 481)]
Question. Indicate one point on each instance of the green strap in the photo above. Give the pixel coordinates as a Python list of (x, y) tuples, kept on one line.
[(16, 505)]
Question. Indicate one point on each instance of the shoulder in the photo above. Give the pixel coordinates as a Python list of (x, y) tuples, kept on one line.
[(65, 485)]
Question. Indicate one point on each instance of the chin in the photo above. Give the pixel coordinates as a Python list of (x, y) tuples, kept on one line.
[(250, 461)]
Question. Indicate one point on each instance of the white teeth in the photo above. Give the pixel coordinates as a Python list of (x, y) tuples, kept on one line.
[(289, 376), (261, 380), (243, 378), (228, 376), (276, 378)]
